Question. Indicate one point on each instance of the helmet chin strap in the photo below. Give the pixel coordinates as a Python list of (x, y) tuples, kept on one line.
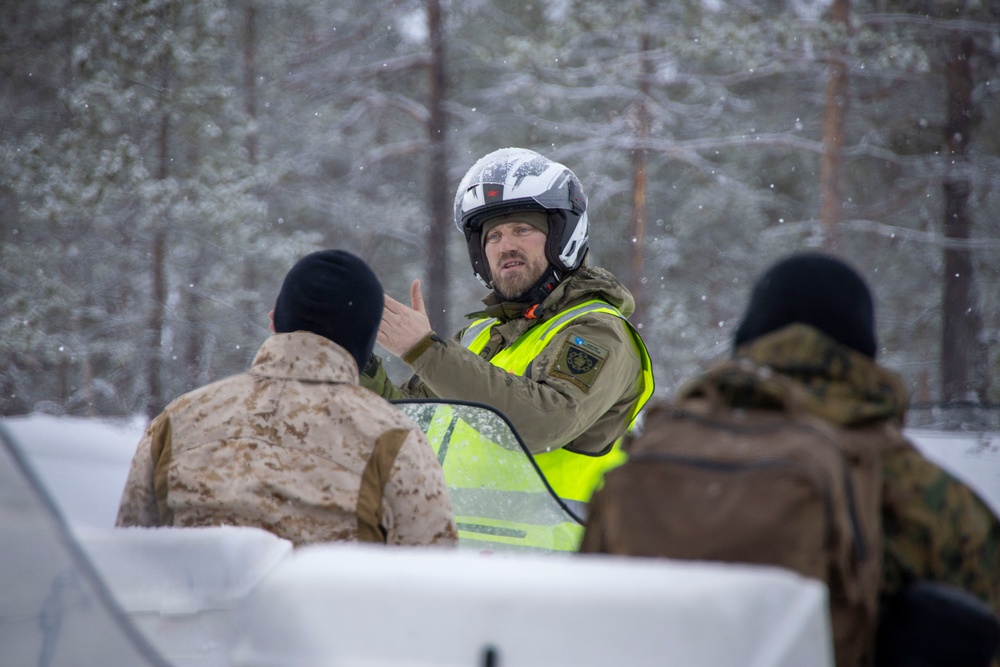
[(537, 292)]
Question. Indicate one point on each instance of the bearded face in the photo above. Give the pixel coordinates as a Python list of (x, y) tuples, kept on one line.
[(516, 255)]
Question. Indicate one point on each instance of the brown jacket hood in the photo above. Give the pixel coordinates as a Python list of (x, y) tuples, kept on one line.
[(841, 385)]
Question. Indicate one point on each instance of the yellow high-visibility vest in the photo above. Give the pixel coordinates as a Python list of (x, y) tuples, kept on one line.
[(500, 499), (573, 476)]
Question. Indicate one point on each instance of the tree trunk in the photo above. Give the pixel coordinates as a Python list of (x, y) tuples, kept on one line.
[(834, 109), (639, 156), (250, 101), (439, 202), (250, 77), (961, 354), (158, 270), (193, 309), (87, 394), (157, 308)]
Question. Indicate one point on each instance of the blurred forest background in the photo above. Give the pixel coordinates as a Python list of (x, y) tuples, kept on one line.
[(164, 162)]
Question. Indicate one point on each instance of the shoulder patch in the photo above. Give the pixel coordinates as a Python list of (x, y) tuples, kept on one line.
[(579, 361)]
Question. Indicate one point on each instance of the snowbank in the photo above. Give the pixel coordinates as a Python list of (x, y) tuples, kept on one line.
[(364, 605), (241, 596), (84, 462)]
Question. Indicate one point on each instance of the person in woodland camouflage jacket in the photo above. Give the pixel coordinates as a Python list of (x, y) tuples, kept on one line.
[(811, 318), (294, 445)]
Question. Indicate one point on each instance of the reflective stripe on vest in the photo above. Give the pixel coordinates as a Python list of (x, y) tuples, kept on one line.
[(573, 476)]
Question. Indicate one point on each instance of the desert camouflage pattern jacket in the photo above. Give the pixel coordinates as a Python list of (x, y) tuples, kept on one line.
[(935, 527), (293, 446), (548, 409)]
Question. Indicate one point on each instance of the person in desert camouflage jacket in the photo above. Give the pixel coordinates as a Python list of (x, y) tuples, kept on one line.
[(294, 445)]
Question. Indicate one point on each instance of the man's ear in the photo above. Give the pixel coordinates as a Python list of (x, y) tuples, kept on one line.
[(270, 316)]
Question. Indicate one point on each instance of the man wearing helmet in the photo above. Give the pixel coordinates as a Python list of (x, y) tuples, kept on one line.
[(552, 350)]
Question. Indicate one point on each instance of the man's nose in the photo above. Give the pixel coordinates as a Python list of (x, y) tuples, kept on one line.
[(506, 242)]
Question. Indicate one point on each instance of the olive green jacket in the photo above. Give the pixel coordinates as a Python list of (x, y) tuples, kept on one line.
[(934, 526), (547, 409)]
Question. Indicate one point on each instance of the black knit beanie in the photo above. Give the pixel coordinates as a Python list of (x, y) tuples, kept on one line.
[(814, 289), (333, 294)]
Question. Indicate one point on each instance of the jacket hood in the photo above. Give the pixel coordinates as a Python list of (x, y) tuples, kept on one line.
[(581, 285), (841, 385)]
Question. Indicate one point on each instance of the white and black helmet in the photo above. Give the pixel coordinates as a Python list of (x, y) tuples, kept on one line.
[(511, 180)]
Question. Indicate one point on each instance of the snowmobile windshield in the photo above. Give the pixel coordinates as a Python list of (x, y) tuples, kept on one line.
[(501, 500)]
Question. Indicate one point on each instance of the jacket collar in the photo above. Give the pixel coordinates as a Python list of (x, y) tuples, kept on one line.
[(581, 285), (304, 356)]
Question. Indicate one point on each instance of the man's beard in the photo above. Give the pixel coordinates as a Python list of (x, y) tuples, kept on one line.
[(514, 286)]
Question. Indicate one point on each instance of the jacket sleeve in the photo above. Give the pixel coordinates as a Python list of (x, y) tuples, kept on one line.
[(377, 380), (549, 409), (138, 505), (937, 528), (416, 505)]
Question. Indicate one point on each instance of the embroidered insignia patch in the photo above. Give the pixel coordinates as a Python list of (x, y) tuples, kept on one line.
[(579, 361)]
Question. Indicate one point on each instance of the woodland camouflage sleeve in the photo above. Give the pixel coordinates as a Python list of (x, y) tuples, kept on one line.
[(937, 528)]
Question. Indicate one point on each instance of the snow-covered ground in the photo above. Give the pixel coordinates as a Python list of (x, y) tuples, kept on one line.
[(63, 447), (241, 596)]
